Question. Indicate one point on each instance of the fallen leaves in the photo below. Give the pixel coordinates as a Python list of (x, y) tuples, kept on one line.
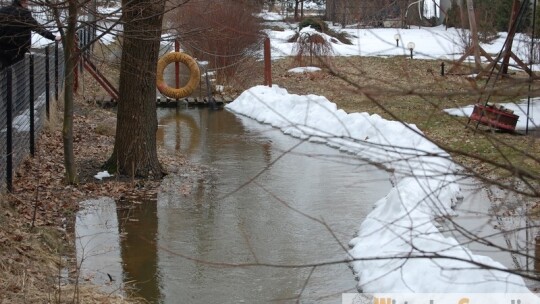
[(41, 197)]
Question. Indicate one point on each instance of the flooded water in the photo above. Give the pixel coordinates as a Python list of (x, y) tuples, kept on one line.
[(493, 222), (267, 219)]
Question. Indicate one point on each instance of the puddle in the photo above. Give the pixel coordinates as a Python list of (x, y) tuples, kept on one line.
[(246, 228)]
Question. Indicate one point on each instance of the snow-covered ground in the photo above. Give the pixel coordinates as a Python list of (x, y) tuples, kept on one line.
[(398, 247), (436, 43)]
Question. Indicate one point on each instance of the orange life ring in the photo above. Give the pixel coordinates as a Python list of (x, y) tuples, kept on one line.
[(194, 77)]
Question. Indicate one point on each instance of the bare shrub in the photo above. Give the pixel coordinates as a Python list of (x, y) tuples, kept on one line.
[(528, 50), (312, 45), (225, 33), (464, 39)]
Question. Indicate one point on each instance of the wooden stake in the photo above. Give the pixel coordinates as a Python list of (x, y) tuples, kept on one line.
[(474, 33)]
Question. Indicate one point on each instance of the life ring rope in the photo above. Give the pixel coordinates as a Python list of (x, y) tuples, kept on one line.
[(194, 75)]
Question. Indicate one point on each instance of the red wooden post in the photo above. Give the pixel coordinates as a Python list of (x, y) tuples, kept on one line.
[(177, 64), (474, 33), (267, 63)]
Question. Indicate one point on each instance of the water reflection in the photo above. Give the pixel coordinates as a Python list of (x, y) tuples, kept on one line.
[(181, 130), (98, 243), (138, 228), (491, 221), (243, 211), (252, 201)]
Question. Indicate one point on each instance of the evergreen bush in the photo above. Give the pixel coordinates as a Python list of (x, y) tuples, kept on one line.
[(315, 23)]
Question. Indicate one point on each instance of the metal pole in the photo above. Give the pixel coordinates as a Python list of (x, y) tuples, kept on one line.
[(531, 66), (56, 70), (9, 130), (537, 253), (442, 68), (79, 42), (32, 126), (177, 64), (47, 82)]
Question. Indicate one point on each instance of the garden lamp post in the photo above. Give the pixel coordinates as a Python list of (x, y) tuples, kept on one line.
[(411, 46), (443, 59), (396, 36)]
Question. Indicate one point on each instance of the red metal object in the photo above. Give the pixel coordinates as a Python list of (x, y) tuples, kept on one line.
[(267, 63), (494, 117), (100, 78), (76, 70), (177, 64), (93, 70)]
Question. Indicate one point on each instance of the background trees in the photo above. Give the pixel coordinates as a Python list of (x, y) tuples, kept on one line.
[(226, 34)]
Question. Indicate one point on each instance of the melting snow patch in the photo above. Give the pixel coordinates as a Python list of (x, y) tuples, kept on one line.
[(102, 174), (304, 69)]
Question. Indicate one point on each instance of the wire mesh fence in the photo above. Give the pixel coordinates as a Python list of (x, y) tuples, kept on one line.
[(26, 89)]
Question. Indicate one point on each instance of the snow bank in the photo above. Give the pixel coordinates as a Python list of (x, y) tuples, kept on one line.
[(398, 247)]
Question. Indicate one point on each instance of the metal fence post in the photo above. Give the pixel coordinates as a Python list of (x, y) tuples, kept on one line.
[(56, 70), (32, 126), (80, 39), (9, 127), (177, 65), (537, 253), (47, 81)]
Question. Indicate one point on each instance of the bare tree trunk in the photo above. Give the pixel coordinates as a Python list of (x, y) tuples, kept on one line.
[(331, 10), (135, 151), (344, 13), (296, 2), (302, 9), (70, 54), (462, 15)]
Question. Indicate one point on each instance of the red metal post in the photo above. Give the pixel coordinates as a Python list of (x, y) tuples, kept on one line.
[(76, 68), (177, 64), (267, 63)]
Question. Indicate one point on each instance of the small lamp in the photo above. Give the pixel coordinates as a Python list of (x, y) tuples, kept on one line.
[(411, 46), (396, 36)]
